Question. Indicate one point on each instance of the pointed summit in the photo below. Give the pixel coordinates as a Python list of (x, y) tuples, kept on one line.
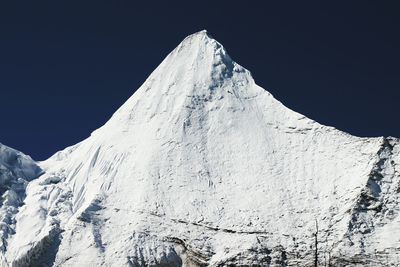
[(203, 167), (198, 51), (201, 37), (198, 67), (201, 51), (202, 32)]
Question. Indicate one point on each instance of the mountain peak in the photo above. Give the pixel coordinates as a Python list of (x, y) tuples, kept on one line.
[(203, 35), (202, 32), (202, 167), (198, 67), (202, 42)]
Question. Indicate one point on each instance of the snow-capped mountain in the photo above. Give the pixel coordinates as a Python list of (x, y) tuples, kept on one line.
[(202, 167)]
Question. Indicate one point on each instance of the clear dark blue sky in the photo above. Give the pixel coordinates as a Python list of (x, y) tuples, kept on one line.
[(66, 66)]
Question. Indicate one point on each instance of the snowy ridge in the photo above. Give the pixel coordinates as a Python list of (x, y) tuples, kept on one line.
[(203, 167), (16, 170)]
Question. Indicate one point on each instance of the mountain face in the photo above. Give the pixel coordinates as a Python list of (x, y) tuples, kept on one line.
[(202, 167), (16, 170)]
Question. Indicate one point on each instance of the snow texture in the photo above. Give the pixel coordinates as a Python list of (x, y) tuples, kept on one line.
[(16, 170), (202, 167)]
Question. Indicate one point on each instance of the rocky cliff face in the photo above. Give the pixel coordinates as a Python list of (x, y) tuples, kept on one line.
[(202, 167)]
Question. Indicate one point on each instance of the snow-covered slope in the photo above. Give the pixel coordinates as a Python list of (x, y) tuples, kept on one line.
[(203, 167), (16, 170)]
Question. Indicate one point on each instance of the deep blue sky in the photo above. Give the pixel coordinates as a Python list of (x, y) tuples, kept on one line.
[(66, 66)]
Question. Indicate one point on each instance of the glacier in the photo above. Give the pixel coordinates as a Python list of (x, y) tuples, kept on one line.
[(16, 171), (203, 167)]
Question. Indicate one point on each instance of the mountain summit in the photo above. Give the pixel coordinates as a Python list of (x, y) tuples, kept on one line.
[(202, 167)]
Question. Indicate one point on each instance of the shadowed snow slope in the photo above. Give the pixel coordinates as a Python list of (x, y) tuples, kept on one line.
[(203, 167), (16, 170)]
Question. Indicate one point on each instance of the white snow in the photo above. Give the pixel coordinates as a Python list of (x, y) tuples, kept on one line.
[(203, 166), (16, 170)]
